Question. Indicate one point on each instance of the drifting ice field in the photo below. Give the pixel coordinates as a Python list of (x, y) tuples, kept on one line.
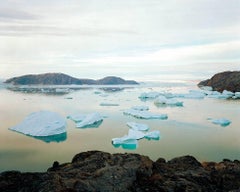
[(157, 120)]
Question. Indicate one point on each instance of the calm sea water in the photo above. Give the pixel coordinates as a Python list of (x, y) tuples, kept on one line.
[(186, 131)]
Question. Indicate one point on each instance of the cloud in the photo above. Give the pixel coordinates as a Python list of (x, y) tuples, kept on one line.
[(7, 14)]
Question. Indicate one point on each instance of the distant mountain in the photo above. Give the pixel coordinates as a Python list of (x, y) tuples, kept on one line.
[(228, 80), (63, 79)]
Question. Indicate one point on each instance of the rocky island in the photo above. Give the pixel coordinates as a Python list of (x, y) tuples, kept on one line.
[(228, 80), (63, 79), (101, 171)]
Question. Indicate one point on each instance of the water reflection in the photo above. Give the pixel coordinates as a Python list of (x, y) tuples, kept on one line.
[(53, 138)]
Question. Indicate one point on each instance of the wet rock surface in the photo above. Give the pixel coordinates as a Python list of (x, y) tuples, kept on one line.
[(228, 80), (100, 171)]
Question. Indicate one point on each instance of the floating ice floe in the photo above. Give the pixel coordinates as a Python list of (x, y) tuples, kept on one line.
[(237, 95), (138, 126), (90, 120), (42, 123), (144, 114), (140, 108), (223, 122), (162, 100), (194, 94), (77, 117), (109, 104), (152, 135), (149, 95), (130, 141)]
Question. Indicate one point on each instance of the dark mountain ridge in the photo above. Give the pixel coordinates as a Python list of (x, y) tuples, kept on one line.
[(63, 79)]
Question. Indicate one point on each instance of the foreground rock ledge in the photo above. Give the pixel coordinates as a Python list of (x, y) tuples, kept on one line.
[(228, 80), (100, 171)]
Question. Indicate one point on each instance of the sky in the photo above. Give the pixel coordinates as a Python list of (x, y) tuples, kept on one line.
[(136, 39)]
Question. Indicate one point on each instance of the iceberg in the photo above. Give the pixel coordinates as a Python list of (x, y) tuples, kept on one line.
[(138, 126), (132, 136), (149, 95), (194, 94), (162, 100), (228, 93), (144, 114), (237, 95), (152, 135), (90, 120), (77, 117), (42, 123), (223, 122), (109, 104), (140, 108)]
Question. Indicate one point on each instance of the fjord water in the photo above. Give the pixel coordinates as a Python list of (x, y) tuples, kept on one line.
[(186, 131)]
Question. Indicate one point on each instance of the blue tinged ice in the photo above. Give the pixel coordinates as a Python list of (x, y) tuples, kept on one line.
[(152, 135), (90, 119), (162, 100), (138, 126), (144, 114), (109, 104), (42, 123), (222, 121), (149, 95), (77, 117), (140, 108)]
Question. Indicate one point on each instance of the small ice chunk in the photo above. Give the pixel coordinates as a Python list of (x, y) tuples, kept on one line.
[(138, 126), (140, 108), (90, 119), (206, 88), (194, 94), (132, 136), (223, 122), (153, 135), (109, 104), (42, 123), (149, 95), (162, 100), (135, 134), (144, 114), (236, 95), (77, 117), (228, 93)]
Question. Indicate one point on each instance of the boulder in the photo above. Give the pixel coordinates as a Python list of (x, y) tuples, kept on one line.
[(101, 171)]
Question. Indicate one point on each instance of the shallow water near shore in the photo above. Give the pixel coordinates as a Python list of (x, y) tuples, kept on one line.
[(186, 131)]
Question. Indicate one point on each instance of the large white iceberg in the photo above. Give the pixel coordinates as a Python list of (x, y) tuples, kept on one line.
[(162, 100), (90, 120), (222, 121), (144, 114), (138, 126), (42, 123)]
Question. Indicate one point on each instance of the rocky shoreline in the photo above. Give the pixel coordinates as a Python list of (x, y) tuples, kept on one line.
[(101, 171), (228, 80)]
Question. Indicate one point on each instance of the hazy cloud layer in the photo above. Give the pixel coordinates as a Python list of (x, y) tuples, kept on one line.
[(69, 36)]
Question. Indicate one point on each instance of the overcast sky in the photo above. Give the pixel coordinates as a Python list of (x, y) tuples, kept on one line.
[(139, 39)]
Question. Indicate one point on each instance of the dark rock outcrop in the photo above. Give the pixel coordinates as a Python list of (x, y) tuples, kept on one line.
[(100, 171), (63, 79), (228, 80)]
